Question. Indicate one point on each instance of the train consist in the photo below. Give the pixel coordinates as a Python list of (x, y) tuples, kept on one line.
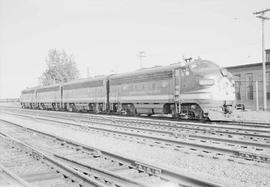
[(198, 89)]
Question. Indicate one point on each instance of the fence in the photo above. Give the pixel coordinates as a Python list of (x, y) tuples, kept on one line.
[(250, 93)]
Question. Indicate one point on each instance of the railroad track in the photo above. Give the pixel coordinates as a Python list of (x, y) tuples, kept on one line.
[(162, 118), (253, 136), (231, 128), (27, 166), (256, 137), (192, 131), (8, 178), (107, 168), (179, 143), (155, 119)]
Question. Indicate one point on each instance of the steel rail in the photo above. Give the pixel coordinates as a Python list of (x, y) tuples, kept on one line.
[(164, 173), (241, 154), (180, 125), (174, 124), (159, 119), (41, 155), (15, 177), (170, 133), (124, 181), (224, 150)]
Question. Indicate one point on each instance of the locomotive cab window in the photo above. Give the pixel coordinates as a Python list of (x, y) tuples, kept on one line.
[(185, 71), (200, 66)]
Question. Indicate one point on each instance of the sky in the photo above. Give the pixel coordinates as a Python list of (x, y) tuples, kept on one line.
[(106, 36)]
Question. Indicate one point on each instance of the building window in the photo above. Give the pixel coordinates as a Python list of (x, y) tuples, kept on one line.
[(249, 83), (237, 79)]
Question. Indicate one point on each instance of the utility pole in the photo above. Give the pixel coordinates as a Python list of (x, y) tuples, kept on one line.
[(141, 55), (261, 16)]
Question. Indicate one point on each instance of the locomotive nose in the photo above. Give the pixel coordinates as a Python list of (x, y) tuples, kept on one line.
[(226, 89)]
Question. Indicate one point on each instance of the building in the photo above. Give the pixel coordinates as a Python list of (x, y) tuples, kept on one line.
[(249, 84), (267, 55)]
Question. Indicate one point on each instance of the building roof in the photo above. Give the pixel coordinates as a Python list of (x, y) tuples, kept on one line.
[(247, 65)]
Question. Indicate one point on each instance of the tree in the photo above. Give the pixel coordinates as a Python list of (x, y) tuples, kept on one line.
[(61, 68)]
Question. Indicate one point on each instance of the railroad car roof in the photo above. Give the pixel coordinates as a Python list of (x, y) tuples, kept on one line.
[(85, 80), (30, 90), (53, 87), (84, 83), (147, 71), (27, 91)]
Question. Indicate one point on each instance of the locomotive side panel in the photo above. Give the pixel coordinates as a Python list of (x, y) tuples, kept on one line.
[(87, 95), (49, 97), (27, 98), (142, 93)]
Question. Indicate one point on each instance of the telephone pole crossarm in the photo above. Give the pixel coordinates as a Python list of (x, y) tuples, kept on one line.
[(262, 12)]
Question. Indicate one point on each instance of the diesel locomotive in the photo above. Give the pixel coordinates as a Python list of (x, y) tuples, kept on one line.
[(199, 89)]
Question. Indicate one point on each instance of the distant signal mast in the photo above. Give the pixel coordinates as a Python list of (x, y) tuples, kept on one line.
[(141, 55)]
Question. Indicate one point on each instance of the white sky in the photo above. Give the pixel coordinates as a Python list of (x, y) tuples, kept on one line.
[(107, 35)]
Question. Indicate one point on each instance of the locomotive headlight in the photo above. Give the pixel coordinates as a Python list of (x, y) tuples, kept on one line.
[(206, 82)]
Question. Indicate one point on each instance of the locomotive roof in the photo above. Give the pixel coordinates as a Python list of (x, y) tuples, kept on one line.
[(147, 71), (138, 72), (85, 80), (39, 87), (30, 90), (49, 86), (44, 88), (53, 87)]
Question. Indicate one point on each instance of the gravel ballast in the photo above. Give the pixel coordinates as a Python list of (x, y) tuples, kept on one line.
[(223, 172)]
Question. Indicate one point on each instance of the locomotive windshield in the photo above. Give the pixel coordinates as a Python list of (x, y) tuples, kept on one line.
[(202, 66)]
